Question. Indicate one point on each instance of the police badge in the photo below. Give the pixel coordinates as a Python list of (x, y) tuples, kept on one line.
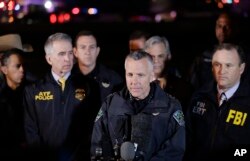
[(80, 94)]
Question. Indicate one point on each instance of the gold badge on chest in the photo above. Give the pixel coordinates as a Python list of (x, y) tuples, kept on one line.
[(80, 94)]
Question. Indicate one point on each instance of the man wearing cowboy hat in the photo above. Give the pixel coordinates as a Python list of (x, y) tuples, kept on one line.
[(8, 41), (14, 41)]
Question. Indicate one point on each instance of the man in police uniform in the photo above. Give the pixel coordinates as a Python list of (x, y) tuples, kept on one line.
[(86, 51), (55, 105), (102, 80), (218, 118), (141, 113)]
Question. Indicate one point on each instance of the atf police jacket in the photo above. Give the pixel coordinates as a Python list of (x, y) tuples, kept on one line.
[(214, 130), (51, 114), (160, 134)]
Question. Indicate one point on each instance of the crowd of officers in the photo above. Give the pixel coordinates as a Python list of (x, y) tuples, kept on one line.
[(83, 110)]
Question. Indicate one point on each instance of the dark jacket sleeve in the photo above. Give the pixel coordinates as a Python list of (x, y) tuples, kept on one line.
[(100, 140), (30, 122), (174, 146)]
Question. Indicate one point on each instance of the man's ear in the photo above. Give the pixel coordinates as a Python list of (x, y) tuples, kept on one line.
[(98, 50), (47, 57), (4, 69), (169, 57), (242, 67), (75, 53)]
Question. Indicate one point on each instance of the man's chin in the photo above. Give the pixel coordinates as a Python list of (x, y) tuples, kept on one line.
[(66, 70), (222, 86), (63, 72), (157, 73)]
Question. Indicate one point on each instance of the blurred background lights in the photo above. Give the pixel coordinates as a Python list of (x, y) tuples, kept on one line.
[(61, 18), (227, 1), (173, 14), (20, 15), (158, 18), (236, 1), (39, 11), (11, 19), (92, 11), (53, 18), (75, 11), (49, 6), (17, 7), (208, 1), (66, 17), (220, 5), (11, 5), (166, 16), (2, 4)]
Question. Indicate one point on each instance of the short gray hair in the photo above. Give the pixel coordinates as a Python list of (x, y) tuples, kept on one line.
[(157, 40), (48, 46), (138, 55)]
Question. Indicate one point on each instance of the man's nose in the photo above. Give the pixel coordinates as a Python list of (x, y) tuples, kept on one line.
[(67, 57), (21, 68), (156, 60), (135, 80), (222, 69)]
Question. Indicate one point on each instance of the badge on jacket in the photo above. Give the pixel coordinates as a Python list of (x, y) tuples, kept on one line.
[(80, 94), (179, 117)]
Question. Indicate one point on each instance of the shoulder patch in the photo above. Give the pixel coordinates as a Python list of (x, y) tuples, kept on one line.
[(179, 117), (99, 115)]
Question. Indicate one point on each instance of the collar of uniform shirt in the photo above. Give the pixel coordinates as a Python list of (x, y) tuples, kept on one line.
[(56, 77), (229, 93)]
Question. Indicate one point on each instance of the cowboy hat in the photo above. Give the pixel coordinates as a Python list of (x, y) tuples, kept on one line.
[(10, 41)]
